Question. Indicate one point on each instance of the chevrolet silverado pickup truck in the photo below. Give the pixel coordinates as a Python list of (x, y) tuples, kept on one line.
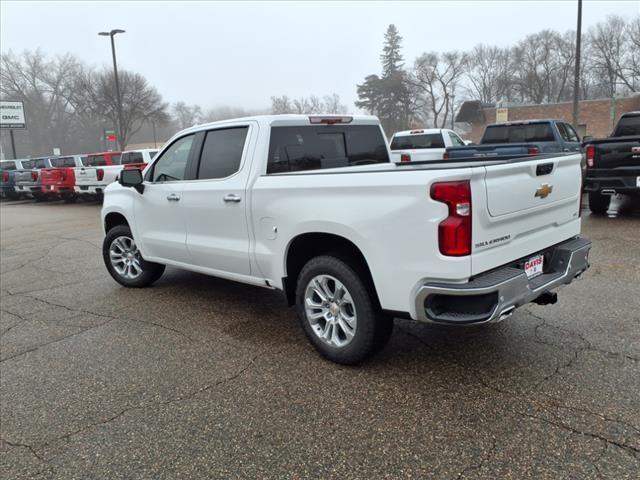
[(58, 182), (527, 137), (421, 145), (7, 178), (313, 207), (101, 169), (613, 164), (28, 181)]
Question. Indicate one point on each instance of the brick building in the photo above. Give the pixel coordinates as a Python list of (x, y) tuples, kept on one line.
[(596, 117)]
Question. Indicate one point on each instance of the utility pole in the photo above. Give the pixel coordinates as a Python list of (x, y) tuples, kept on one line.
[(576, 78), (112, 34)]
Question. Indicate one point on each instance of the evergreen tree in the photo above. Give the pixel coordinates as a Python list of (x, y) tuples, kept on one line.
[(391, 57)]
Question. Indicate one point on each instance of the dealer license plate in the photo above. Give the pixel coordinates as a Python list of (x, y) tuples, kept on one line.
[(533, 267)]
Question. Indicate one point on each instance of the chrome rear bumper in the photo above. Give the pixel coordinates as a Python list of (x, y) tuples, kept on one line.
[(493, 296)]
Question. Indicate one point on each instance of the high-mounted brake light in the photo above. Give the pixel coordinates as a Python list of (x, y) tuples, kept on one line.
[(34, 176), (590, 153), (100, 174), (319, 120), (416, 131), (405, 157), (533, 150), (454, 232)]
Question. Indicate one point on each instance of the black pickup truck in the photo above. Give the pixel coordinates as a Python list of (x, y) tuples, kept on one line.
[(613, 164)]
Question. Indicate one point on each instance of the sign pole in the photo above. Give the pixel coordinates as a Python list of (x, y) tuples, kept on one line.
[(13, 144)]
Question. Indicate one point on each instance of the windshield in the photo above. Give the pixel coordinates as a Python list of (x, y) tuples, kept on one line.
[(407, 142), (533, 132), (628, 126)]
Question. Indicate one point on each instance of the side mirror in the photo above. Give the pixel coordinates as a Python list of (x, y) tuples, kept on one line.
[(587, 138), (132, 178)]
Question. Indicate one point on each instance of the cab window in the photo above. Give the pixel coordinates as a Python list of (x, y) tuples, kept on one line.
[(172, 164)]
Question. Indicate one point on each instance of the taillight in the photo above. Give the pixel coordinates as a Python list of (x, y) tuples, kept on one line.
[(5, 176), (100, 174), (445, 155), (34, 176), (64, 175), (533, 150), (590, 153), (454, 232), (405, 157)]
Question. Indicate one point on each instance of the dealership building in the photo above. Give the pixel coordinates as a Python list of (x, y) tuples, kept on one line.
[(596, 117)]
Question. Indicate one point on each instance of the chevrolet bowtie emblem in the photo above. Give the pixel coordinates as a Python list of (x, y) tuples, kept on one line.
[(544, 190)]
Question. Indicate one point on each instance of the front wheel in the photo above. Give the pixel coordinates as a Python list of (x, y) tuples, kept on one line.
[(598, 203), (338, 311), (124, 262)]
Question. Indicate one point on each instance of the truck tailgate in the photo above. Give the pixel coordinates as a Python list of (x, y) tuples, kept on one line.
[(524, 207), (86, 175), (617, 153)]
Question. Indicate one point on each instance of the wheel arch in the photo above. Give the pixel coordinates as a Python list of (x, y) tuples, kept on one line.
[(306, 246), (113, 219)]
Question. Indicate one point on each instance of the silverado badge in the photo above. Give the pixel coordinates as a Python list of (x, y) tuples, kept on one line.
[(544, 190)]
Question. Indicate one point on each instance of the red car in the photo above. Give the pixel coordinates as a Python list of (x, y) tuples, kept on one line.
[(59, 181)]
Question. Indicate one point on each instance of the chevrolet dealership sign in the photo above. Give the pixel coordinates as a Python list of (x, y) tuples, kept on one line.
[(12, 115)]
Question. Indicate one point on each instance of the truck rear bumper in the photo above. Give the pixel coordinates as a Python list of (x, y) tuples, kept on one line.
[(493, 296), (89, 189), (611, 185)]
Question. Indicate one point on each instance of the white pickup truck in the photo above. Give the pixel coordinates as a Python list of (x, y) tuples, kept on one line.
[(313, 207), (101, 169), (423, 145)]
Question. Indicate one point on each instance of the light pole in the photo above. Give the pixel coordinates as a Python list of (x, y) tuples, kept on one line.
[(576, 75), (112, 34)]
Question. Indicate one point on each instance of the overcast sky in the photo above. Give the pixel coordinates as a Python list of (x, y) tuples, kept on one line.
[(240, 54)]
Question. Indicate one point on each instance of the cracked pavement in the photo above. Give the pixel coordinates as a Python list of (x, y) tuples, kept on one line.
[(198, 377)]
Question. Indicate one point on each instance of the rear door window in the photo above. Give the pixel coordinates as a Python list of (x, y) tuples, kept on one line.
[(222, 152), (302, 148), (571, 133)]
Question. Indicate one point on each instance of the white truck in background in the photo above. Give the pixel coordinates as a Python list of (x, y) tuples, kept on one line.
[(101, 169), (312, 206), (423, 145)]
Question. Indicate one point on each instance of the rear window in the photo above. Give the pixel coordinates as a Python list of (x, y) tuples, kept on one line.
[(533, 132), (408, 142), (63, 162), (294, 149), (132, 157), (8, 165), (95, 161), (628, 126)]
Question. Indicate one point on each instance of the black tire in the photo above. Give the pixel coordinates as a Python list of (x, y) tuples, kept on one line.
[(598, 203), (70, 198), (150, 271), (38, 197), (373, 328)]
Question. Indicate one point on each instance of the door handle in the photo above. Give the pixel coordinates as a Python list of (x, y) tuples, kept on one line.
[(173, 197), (231, 198)]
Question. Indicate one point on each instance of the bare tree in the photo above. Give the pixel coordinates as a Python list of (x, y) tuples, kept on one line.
[(488, 73), (140, 102), (608, 43), (435, 78), (332, 104), (186, 115), (308, 105)]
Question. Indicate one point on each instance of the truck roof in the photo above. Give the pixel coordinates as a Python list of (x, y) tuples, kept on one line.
[(288, 120), (525, 122), (418, 131)]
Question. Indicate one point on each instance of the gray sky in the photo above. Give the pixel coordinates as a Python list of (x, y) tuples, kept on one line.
[(240, 54)]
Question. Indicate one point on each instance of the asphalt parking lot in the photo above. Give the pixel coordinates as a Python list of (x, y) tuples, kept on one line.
[(202, 378)]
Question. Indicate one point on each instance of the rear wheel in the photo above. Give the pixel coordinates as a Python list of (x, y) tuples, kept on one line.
[(124, 262), (598, 203), (338, 311)]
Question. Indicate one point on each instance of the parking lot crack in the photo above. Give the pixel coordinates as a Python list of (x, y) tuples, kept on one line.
[(24, 445), (486, 458)]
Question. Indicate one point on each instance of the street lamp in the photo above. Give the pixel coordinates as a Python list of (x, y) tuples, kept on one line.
[(112, 34)]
